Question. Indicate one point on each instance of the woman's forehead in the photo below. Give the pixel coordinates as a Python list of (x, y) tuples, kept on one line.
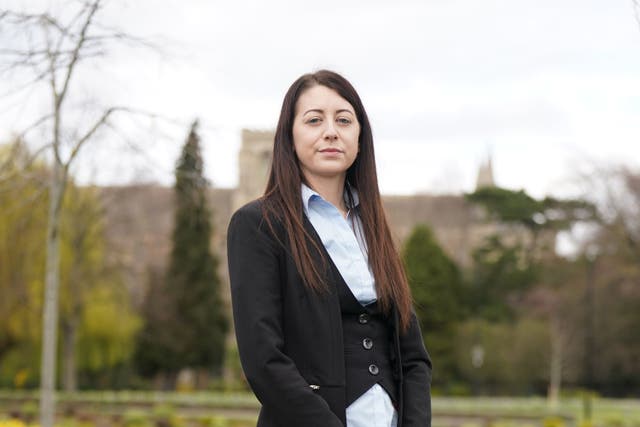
[(322, 98)]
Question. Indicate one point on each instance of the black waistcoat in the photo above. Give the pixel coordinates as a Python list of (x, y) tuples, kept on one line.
[(367, 346)]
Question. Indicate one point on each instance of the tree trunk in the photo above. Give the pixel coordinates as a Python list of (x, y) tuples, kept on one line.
[(589, 326), (203, 377), (50, 310), (69, 372), (555, 364), (72, 320)]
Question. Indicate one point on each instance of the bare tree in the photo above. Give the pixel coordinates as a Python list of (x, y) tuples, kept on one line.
[(611, 251), (615, 190), (51, 49)]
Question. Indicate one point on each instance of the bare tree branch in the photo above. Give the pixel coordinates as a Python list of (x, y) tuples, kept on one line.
[(119, 35), (35, 124), (23, 53), (41, 77), (52, 49), (56, 104), (19, 19), (135, 148), (76, 53), (74, 19), (101, 121)]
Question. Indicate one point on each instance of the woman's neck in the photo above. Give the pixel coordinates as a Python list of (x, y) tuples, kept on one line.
[(331, 189)]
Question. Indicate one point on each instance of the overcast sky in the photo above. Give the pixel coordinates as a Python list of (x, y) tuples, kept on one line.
[(543, 86)]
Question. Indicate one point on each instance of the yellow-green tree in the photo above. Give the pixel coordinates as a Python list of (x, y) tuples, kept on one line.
[(96, 317), (22, 228), (48, 51), (96, 321)]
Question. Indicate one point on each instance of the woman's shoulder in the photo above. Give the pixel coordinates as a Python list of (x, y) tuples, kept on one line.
[(251, 213), (253, 208), (254, 214), (249, 223)]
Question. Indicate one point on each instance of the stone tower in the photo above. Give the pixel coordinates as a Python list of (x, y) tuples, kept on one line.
[(254, 161), (485, 175)]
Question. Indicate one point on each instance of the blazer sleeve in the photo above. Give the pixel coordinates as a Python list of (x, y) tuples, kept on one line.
[(255, 276), (416, 373)]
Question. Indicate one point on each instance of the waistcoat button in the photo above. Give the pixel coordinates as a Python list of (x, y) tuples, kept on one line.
[(363, 318), (367, 343), (374, 370)]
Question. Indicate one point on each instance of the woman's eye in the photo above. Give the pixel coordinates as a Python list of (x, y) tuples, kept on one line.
[(344, 120), (313, 120)]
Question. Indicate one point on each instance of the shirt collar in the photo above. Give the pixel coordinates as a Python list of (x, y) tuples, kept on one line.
[(309, 194)]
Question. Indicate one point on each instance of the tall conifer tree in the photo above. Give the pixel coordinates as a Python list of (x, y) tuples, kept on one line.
[(192, 277), (185, 318)]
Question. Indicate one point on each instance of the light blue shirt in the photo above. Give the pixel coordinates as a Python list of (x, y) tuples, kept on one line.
[(345, 242)]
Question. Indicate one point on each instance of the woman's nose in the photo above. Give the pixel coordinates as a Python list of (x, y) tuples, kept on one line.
[(330, 132)]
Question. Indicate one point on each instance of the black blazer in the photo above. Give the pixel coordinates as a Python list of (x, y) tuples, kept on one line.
[(290, 338)]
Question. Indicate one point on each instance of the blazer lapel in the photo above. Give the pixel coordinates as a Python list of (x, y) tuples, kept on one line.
[(330, 268), (338, 284)]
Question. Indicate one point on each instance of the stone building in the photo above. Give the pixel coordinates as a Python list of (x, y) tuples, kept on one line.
[(139, 217)]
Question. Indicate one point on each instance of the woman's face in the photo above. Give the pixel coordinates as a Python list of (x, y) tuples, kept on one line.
[(325, 133)]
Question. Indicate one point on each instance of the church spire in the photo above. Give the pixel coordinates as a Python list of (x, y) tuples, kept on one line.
[(485, 175)]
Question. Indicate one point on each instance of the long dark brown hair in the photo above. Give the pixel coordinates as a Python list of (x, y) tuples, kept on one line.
[(282, 199)]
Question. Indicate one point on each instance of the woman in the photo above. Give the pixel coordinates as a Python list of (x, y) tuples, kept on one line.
[(325, 329)]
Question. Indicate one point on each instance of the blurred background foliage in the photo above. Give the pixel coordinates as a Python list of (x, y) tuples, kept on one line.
[(97, 322), (520, 320)]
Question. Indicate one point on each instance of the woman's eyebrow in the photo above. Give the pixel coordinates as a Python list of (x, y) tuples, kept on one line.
[(319, 110)]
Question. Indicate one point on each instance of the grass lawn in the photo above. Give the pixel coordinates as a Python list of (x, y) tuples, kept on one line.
[(205, 409)]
